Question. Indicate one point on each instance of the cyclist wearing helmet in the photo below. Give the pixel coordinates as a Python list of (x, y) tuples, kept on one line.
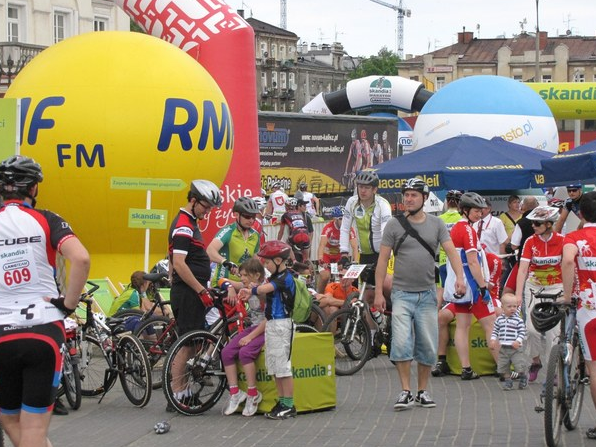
[(300, 228), (366, 150), (354, 152), (578, 255), (31, 309), (328, 251), (276, 205), (312, 201), (236, 242), (466, 240), (539, 269), (377, 149), (571, 206), (413, 298), (386, 147), (280, 292), (450, 218)]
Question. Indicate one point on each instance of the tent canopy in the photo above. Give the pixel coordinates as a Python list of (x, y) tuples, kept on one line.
[(573, 166)]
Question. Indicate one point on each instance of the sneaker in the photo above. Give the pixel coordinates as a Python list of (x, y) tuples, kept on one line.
[(275, 408), (440, 369), (591, 433), (534, 368), (508, 385), (252, 403), (523, 382), (469, 374), (281, 412), (423, 399), (404, 400), (234, 402)]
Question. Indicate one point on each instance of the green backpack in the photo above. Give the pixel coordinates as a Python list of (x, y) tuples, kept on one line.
[(302, 302)]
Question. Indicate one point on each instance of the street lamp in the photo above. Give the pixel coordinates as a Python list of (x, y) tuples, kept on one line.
[(537, 74)]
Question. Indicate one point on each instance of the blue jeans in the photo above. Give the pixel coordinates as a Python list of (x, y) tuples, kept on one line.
[(414, 326)]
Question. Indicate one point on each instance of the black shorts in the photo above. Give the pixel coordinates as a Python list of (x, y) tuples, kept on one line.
[(187, 307), (30, 367)]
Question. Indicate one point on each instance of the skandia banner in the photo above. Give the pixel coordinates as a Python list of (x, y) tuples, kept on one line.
[(568, 100), (324, 151)]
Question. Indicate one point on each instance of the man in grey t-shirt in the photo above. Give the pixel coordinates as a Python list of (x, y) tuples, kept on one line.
[(414, 297)]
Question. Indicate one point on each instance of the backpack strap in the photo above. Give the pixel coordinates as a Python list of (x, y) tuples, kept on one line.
[(403, 220)]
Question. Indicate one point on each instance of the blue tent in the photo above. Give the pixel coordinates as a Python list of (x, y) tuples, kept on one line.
[(467, 163), (572, 166)]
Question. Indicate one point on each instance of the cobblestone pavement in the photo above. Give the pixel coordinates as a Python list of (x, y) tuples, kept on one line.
[(476, 413)]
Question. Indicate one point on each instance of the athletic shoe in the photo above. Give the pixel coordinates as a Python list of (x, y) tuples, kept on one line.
[(591, 433), (508, 385), (252, 403), (280, 412), (469, 374), (523, 382), (534, 368), (514, 375), (234, 402), (423, 399), (440, 369), (404, 401)]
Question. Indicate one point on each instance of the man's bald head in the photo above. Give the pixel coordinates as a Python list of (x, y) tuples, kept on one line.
[(529, 203)]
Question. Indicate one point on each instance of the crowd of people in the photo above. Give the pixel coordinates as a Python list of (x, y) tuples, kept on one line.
[(478, 274)]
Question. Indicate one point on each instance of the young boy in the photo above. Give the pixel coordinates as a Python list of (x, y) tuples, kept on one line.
[(280, 292), (509, 333)]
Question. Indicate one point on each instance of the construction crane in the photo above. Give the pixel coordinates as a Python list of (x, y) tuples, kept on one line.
[(283, 17), (401, 13)]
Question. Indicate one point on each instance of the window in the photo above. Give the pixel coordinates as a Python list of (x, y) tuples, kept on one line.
[(62, 25), (263, 49), (282, 52), (273, 51), (282, 80), (292, 81), (579, 77), (274, 79), (100, 24), (14, 22), (547, 78), (518, 78), (414, 78), (440, 82), (264, 80)]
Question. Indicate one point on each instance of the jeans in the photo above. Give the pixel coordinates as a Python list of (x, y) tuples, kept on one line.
[(414, 326)]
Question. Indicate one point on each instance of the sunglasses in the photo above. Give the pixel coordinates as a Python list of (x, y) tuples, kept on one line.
[(572, 189), (248, 216), (537, 224), (207, 207)]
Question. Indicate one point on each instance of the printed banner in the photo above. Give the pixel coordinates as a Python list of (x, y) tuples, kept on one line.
[(8, 127)]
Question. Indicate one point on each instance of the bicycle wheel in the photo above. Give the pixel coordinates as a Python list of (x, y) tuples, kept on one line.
[(157, 335), (576, 386), (316, 318), (305, 329), (134, 370), (351, 337), (92, 369), (71, 382), (554, 401), (125, 313), (193, 375)]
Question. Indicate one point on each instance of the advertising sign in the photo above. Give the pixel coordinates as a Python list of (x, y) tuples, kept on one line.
[(8, 127), (323, 151), (148, 218)]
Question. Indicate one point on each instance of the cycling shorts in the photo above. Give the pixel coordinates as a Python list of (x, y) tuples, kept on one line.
[(301, 240), (187, 308), (479, 309), (586, 321), (30, 367)]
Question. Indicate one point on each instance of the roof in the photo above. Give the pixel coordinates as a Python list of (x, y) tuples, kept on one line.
[(263, 27), (485, 50)]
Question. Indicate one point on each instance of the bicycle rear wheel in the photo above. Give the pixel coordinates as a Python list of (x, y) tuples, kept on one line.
[(554, 401), (71, 382), (157, 335), (351, 337), (93, 367), (134, 370), (576, 386), (305, 329), (193, 375), (316, 318)]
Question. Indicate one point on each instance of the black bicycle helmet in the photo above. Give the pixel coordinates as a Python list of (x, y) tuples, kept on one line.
[(453, 194), (415, 184), (245, 205), (367, 178), (472, 200), (20, 172), (546, 316), (207, 191)]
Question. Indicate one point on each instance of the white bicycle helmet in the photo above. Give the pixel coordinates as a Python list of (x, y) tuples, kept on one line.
[(415, 184), (261, 202), (207, 191), (544, 214)]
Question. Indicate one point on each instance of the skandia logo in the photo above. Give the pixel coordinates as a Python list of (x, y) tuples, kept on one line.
[(380, 90), (312, 372), (269, 136), (558, 94), (554, 260)]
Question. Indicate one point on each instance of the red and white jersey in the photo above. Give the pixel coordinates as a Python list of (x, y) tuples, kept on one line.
[(278, 201), (495, 270), (331, 232), (585, 241), (464, 236), (29, 241), (544, 258)]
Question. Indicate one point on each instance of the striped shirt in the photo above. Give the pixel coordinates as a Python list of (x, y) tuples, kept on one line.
[(509, 329)]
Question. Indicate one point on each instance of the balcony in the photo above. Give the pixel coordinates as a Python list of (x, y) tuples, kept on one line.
[(13, 58)]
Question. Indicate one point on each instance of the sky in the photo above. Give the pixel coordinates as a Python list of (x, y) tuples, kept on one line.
[(364, 27)]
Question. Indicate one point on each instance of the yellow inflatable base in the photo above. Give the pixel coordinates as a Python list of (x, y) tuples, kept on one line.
[(481, 359), (313, 364)]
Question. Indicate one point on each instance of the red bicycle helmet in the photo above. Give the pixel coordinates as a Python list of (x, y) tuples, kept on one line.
[(274, 249)]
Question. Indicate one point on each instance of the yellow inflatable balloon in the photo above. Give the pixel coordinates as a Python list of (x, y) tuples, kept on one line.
[(109, 115)]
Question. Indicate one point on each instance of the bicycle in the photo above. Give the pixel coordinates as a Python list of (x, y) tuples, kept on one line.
[(104, 340), (352, 332), (71, 376), (158, 302), (565, 375)]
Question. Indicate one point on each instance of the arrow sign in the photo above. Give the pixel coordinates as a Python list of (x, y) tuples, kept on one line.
[(148, 184)]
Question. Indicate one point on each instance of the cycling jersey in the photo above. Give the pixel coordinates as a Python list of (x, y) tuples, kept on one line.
[(584, 240), (495, 269), (544, 259), (332, 233), (369, 223), (235, 248), (298, 224), (278, 201), (450, 217), (464, 236), (29, 241), (185, 238)]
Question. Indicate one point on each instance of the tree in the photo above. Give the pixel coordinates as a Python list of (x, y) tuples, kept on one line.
[(384, 63)]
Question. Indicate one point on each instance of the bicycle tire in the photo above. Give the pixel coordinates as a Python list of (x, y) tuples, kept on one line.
[(157, 337), (204, 385), (317, 317), (134, 370), (305, 329), (92, 369), (554, 402), (576, 384), (125, 313), (71, 382), (351, 352)]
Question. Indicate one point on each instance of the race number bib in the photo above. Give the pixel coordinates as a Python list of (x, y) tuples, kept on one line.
[(18, 267)]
